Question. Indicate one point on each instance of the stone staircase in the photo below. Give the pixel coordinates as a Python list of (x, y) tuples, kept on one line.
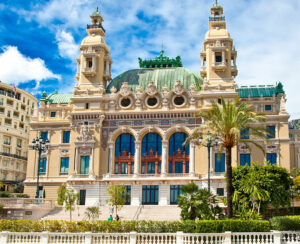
[(126, 213)]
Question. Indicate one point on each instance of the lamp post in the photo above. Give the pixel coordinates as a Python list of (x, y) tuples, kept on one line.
[(40, 145), (209, 142)]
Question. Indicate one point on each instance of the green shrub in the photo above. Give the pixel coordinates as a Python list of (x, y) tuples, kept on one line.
[(285, 223), (22, 195), (5, 194), (207, 226)]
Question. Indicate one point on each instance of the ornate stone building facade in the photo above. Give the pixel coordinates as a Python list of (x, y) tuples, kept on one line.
[(131, 131), (16, 109)]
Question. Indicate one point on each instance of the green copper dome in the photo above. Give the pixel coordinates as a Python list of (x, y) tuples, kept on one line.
[(160, 77)]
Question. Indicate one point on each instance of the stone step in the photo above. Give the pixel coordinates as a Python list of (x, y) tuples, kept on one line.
[(126, 213)]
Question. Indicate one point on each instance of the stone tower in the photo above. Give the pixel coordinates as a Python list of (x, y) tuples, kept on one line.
[(218, 56), (94, 61)]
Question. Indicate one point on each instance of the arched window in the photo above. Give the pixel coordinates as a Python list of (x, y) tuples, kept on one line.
[(151, 154), (178, 153), (124, 154)]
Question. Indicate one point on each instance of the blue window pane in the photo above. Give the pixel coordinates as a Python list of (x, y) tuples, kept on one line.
[(64, 165), (179, 167), (53, 114), (170, 167), (117, 168), (151, 141), (66, 137), (245, 133), (84, 166), (43, 165), (272, 158), (268, 107), (271, 131), (220, 162), (175, 191), (44, 135), (187, 167), (176, 142), (124, 142), (245, 159)]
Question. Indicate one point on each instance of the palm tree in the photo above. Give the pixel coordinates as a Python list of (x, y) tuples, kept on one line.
[(226, 121)]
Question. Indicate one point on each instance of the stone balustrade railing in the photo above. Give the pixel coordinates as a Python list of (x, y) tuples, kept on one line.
[(274, 237), (27, 203)]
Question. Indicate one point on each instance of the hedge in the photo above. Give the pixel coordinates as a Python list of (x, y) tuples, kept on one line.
[(205, 226), (285, 223)]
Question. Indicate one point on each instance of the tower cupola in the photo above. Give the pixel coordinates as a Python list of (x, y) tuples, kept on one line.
[(218, 56), (94, 62)]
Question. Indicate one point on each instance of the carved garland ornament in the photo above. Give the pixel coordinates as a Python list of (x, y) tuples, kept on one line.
[(151, 89)]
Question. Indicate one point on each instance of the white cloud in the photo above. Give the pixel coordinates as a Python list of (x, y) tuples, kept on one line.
[(66, 45), (17, 68)]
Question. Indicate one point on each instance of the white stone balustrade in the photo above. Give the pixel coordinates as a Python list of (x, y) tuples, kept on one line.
[(274, 237)]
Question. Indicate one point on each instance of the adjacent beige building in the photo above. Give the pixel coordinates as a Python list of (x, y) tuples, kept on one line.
[(16, 109), (131, 131)]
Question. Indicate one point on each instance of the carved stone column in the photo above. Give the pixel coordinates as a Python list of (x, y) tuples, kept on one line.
[(137, 158), (164, 158), (110, 157), (192, 158)]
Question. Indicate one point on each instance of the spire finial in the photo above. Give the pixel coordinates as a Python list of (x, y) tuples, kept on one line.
[(97, 9), (216, 2)]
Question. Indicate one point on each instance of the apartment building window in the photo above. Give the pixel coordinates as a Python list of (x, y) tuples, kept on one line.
[(64, 165), (43, 165), (2, 110), (44, 135), (87, 106), (18, 152), (245, 159), (19, 143), (1, 101), (272, 158), (245, 133), (6, 150), (6, 140), (8, 113), (271, 131), (7, 122), (66, 137), (53, 114)]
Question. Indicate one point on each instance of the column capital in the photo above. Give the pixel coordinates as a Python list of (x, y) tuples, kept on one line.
[(137, 143), (111, 145)]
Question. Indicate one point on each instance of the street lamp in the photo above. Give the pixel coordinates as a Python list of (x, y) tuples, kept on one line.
[(40, 145), (209, 142)]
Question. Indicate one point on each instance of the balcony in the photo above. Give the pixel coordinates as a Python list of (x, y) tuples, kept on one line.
[(89, 71), (13, 155), (95, 27), (214, 19), (219, 66), (167, 176)]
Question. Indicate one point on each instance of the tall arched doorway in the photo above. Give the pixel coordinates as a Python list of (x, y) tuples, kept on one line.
[(151, 154), (179, 153), (124, 154)]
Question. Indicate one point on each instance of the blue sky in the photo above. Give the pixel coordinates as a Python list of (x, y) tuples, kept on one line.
[(39, 40)]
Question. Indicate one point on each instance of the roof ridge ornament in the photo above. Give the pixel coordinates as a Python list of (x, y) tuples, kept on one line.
[(161, 61)]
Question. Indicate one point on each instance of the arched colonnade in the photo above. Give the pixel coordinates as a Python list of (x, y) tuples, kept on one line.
[(151, 151)]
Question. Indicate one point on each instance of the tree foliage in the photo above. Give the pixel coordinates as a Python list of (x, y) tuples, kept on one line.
[(225, 121), (118, 196), (257, 186), (198, 203), (67, 197)]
